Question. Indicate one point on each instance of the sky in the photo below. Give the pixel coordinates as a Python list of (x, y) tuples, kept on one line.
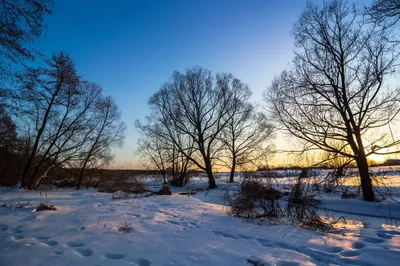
[(131, 48)]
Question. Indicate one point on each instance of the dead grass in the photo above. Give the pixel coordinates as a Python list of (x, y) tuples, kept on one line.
[(124, 228)]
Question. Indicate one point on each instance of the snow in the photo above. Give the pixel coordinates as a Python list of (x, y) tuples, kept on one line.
[(182, 230)]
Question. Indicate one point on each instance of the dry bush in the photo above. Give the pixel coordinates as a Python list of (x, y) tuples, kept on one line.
[(254, 200), (45, 207), (258, 200), (164, 191), (301, 209)]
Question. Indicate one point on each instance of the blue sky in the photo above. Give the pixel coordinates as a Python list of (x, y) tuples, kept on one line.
[(131, 48)]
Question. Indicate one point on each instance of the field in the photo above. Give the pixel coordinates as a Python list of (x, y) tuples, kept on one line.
[(91, 228)]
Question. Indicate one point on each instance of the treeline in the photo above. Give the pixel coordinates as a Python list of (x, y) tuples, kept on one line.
[(49, 115)]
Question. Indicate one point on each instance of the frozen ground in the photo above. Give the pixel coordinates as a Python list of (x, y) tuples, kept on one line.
[(181, 230)]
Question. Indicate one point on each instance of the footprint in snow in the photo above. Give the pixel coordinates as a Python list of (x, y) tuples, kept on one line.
[(110, 256), (50, 243), (84, 252), (140, 262), (393, 232), (57, 253), (174, 222), (350, 253), (384, 235), (334, 249), (373, 240), (358, 245)]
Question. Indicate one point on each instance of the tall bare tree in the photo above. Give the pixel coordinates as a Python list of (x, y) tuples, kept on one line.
[(198, 106), (335, 90), (67, 121), (107, 132), (42, 93), (246, 135), (246, 131)]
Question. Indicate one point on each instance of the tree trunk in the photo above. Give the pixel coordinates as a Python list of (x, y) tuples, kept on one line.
[(233, 168), (211, 179), (365, 178), (78, 186)]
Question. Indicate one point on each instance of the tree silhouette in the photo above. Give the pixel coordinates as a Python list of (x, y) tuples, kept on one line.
[(334, 95)]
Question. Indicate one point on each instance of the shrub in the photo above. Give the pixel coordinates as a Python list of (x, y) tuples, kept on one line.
[(254, 200), (164, 191), (301, 209), (45, 207)]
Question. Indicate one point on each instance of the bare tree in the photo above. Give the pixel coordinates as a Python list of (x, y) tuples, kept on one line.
[(335, 91), (21, 22), (154, 155), (68, 121), (107, 132), (199, 107), (246, 131), (40, 94), (158, 151)]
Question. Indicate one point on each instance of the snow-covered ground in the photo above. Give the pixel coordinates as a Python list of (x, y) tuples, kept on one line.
[(181, 230)]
